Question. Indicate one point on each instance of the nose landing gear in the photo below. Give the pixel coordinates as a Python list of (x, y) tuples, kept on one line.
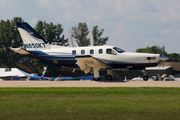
[(145, 77)]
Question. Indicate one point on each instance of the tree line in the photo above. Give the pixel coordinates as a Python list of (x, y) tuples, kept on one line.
[(9, 37)]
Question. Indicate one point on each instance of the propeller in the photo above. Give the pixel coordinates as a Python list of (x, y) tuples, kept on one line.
[(161, 63), (160, 51)]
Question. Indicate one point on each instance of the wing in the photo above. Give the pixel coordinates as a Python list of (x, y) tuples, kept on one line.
[(87, 63)]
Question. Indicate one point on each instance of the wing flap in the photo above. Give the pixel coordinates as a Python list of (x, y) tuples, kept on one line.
[(84, 67), (87, 63)]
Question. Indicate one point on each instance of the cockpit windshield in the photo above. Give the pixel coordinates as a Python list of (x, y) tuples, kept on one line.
[(118, 50)]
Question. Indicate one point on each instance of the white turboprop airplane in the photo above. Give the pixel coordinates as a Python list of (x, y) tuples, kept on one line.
[(91, 58)]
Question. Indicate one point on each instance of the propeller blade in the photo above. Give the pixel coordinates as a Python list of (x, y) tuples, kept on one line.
[(160, 51), (163, 64)]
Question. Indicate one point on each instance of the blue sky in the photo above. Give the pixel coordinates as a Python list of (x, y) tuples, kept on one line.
[(130, 24)]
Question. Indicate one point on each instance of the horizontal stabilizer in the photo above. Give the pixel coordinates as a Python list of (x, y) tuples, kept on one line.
[(20, 51)]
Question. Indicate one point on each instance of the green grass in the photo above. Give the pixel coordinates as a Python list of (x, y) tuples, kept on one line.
[(89, 103)]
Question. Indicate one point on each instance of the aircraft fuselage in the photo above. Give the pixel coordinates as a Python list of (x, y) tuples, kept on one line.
[(65, 56)]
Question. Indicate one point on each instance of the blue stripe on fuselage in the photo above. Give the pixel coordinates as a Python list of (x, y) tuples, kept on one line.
[(64, 60), (38, 53)]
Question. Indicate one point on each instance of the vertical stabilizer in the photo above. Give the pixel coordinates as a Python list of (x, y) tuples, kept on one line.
[(31, 39)]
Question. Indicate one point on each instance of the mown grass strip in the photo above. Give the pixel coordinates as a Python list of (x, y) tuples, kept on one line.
[(89, 103)]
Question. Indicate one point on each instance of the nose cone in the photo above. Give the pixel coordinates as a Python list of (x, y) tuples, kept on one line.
[(163, 58)]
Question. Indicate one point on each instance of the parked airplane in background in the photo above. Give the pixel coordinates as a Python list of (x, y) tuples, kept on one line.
[(90, 58)]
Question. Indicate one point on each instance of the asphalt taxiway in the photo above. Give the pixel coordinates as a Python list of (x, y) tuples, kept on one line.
[(89, 84)]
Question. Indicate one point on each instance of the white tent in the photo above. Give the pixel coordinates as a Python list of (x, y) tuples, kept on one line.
[(14, 72)]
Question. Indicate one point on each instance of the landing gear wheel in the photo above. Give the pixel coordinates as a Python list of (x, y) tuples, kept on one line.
[(108, 77), (96, 79), (145, 78)]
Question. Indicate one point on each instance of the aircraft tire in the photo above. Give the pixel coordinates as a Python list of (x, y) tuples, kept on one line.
[(96, 79), (145, 78), (108, 77)]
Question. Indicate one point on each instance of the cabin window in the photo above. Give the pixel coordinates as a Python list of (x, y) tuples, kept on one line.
[(110, 51), (100, 51), (74, 52), (82, 51), (91, 51)]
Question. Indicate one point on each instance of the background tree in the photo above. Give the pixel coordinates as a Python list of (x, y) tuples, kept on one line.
[(173, 57), (97, 39), (152, 49), (40, 28), (52, 33), (9, 37), (58, 39), (5, 38), (80, 33)]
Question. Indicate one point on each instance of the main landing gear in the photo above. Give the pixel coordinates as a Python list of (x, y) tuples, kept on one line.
[(96, 79), (108, 77), (145, 78)]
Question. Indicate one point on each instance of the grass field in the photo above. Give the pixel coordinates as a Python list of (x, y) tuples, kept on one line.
[(89, 103)]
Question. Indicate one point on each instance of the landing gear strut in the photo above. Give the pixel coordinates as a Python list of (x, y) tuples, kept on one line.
[(145, 77), (96, 73)]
